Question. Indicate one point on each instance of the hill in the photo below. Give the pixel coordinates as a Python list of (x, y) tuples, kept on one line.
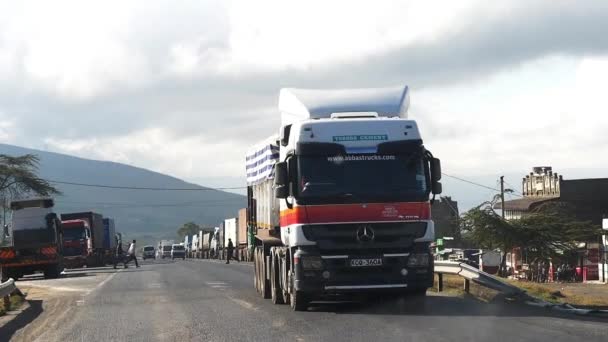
[(137, 212)]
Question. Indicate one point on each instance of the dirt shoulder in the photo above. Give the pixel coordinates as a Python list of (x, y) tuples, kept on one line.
[(592, 296)]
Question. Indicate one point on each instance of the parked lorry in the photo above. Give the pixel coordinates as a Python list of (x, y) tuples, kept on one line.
[(77, 243), (164, 248), (339, 201), (242, 241), (206, 244), (231, 233), (194, 248), (100, 255), (217, 243), (109, 242), (33, 240)]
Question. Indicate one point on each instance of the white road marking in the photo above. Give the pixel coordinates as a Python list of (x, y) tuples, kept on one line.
[(244, 304), (103, 282)]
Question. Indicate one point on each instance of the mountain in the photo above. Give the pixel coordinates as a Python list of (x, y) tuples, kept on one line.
[(137, 212)]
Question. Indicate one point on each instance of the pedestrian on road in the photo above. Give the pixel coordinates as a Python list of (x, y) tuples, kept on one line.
[(230, 250), (119, 254), (131, 255)]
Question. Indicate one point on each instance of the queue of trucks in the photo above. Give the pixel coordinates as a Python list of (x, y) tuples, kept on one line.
[(39, 240), (338, 204)]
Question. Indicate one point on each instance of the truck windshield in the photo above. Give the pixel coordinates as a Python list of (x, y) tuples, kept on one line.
[(178, 248), (166, 248), (361, 177), (74, 234), (148, 249)]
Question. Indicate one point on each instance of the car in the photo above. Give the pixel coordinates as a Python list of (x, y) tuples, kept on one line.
[(148, 252), (178, 251)]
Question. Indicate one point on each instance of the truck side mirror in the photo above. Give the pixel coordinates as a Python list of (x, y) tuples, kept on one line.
[(437, 188), (280, 174), (284, 138), (281, 191), (435, 170), (5, 231)]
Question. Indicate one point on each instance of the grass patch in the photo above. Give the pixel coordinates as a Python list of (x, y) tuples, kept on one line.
[(537, 290), (580, 295), (16, 301), (577, 294)]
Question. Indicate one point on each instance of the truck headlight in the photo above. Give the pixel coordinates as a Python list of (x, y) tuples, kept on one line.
[(310, 262), (418, 260)]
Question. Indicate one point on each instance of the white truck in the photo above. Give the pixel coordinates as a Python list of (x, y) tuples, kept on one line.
[(230, 233), (339, 200), (164, 248)]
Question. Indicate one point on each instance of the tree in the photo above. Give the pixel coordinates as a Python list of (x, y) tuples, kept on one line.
[(487, 230), (189, 229), (548, 232), (19, 177)]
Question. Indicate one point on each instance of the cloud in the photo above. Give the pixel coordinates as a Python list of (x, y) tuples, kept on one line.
[(168, 85)]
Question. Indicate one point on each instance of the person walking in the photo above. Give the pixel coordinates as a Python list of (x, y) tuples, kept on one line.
[(119, 254), (230, 250), (131, 254)]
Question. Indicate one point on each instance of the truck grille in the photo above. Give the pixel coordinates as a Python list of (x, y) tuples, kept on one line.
[(365, 239)]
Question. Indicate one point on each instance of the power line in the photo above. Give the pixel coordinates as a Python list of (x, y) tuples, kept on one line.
[(471, 182), (474, 183), (144, 188), (513, 189)]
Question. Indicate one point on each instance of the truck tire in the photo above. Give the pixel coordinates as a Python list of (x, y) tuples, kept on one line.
[(263, 285), (299, 301), (256, 271), (52, 271), (276, 293), (265, 282)]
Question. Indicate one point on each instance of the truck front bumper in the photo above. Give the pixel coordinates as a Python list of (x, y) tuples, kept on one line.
[(338, 276)]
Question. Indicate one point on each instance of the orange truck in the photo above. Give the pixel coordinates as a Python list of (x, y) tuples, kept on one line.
[(33, 241), (77, 243)]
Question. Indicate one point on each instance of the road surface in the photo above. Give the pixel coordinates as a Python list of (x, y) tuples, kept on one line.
[(202, 300)]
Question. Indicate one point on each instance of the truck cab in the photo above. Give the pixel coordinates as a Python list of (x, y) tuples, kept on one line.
[(178, 251), (340, 198), (35, 240), (77, 244), (166, 251)]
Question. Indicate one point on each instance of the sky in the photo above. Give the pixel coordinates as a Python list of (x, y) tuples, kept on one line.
[(185, 87)]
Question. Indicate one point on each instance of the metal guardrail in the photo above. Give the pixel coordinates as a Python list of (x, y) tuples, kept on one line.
[(471, 273), (7, 288)]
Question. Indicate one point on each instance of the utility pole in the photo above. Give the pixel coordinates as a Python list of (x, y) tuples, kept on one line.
[(502, 196)]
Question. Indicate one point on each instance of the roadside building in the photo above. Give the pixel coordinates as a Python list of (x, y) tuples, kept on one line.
[(587, 199)]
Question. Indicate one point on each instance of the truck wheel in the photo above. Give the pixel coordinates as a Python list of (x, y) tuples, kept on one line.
[(52, 271), (276, 292), (264, 283), (299, 301), (256, 271)]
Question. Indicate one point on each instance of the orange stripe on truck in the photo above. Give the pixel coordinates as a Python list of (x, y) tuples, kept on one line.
[(358, 212)]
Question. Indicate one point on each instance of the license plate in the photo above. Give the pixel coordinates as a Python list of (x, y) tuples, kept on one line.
[(365, 262)]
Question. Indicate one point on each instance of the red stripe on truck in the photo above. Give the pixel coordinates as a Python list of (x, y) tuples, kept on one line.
[(336, 213)]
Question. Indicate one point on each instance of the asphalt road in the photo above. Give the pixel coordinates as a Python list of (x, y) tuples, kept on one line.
[(196, 300)]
